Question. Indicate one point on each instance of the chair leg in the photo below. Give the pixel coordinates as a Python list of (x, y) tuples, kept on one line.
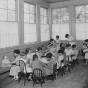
[(33, 83), (24, 79)]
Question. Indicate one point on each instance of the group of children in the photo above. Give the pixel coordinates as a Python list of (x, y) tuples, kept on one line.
[(56, 53)]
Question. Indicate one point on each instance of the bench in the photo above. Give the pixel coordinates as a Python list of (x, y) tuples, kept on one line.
[(4, 70)]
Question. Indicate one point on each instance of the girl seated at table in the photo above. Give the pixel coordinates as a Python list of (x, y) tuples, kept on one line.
[(48, 68), (29, 55), (52, 50), (69, 53), (39, 52), (15, 69), (60, 61), (23, 58), (36, 62)]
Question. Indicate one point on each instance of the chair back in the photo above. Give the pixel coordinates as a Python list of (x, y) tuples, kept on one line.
[(37, 73), (22, 66), (54, 68)]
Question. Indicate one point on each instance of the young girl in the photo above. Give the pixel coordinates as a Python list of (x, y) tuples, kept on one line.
[(29, 55), (28, 69), (75, 55), (39, 52), (68, 52), (86, 54), (6, 62), (15, 69), (70, 39), (57, 43), (60, 61)]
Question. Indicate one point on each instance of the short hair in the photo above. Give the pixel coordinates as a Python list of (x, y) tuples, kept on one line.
[(57, 36), (61, 44), (86, 40), (62, 48), (60, 51), (68, 45), (17, 51), (51, 39), (27, 50), (34, 57), (39, 48), (23, 54), (73, 46), (85, 44), (66, 36), (49, 55)]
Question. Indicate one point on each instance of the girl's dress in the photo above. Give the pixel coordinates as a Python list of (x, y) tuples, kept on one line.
[(30, 57), (68, 54), (15, 69), (86, 53), (70, 40), (28, 69), (57, 45), (60, 58)]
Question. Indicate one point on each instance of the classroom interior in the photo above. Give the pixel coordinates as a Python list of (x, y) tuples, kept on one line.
[(32, 23)]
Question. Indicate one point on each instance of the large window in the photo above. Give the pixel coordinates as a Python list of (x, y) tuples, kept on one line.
[(81, 22), (60, 22), (45, 34), (8, 23), (29, 23)]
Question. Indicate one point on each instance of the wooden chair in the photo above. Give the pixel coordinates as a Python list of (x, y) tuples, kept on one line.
[(37, 77), (23, 73)]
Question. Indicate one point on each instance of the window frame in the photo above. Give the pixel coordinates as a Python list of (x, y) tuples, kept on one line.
[(31, 13)]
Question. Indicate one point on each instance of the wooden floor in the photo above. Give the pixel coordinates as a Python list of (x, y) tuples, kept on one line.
[(77, 79)]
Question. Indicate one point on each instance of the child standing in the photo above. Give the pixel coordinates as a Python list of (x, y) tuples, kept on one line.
[(57, 43), (86, 54), (75, 55)]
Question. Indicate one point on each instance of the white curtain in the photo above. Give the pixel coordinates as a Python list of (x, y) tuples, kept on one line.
[(81, 31), (30, 33), (60, 29), (8, 34), (45, 33)]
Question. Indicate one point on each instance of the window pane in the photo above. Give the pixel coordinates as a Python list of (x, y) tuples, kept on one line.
[(32, 18), (30, 33), (64, 15), (86, 17), (42, 19), (11, 15), (41, 11), (26, 8), (3, 4), (3, 14), (32, 9), (26, 17), (80, 10), (8, 37), (86, 8), (45, 12), (11, 4), (45, 20), (80, 18)]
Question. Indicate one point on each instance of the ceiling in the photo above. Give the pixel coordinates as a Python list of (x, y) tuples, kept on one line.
[(54, 1)]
